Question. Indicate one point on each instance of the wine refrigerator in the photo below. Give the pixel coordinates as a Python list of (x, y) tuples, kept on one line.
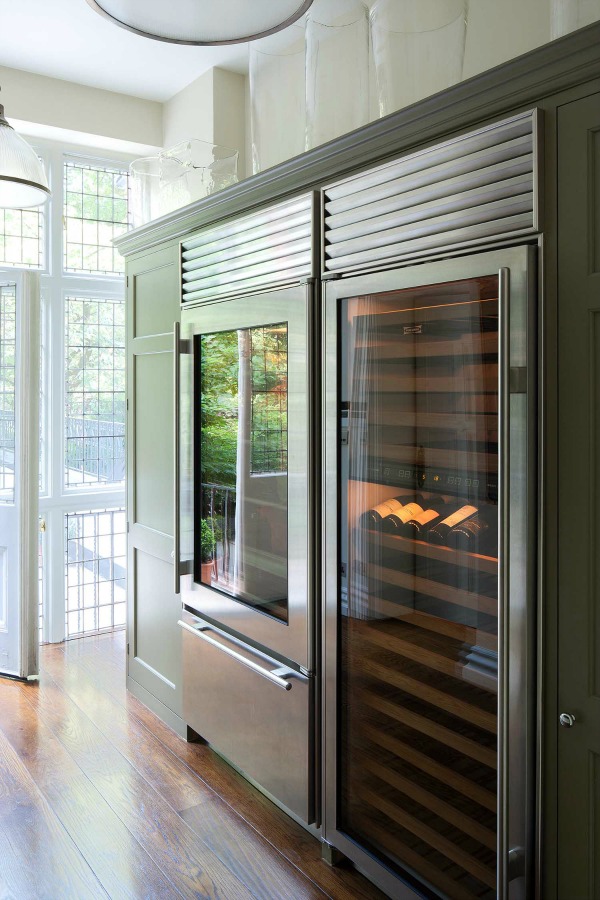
[(429, 613)]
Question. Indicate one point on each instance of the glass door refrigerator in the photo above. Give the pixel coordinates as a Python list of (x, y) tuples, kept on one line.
[(429, 622)]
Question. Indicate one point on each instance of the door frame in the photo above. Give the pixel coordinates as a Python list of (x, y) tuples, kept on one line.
[(26, 496)]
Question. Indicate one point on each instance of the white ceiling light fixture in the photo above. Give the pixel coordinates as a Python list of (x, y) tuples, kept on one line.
[(23, 182), (202, 22)]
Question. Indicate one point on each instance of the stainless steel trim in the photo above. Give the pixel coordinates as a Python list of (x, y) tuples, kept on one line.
[(264, 249), (503, 574), (412, 203), (471, 142), (519, 608), (508, 159), (277, 676), (430, 243), (34, 184), (481, 184), (176, 459), (95, 5)]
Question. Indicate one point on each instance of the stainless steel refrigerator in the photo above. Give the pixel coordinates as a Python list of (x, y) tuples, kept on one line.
[(429, 543), (245, 542)]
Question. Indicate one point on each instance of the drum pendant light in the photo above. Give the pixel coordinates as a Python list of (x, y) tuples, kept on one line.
[(202, 22), (23, 182)]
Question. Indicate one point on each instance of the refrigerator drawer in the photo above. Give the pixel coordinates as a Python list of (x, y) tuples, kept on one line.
[(253, 710)]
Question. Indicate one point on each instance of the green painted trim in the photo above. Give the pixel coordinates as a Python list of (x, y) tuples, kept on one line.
[(158, 708), (518, 84)]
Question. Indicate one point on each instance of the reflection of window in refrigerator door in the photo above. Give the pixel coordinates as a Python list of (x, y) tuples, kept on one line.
[(242, 469)]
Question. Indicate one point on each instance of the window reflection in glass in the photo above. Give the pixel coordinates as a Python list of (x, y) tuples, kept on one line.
[(241, 440)]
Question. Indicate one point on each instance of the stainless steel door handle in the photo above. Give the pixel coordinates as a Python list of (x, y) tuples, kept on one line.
[(274, 675), (567, 720)]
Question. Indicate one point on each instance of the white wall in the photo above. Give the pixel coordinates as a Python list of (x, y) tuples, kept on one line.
[(209, 109), (74, 107)]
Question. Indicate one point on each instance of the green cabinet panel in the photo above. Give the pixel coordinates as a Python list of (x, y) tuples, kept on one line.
[(153, 440), (154, 661), (156, 608), (153, 295), (579, 500)]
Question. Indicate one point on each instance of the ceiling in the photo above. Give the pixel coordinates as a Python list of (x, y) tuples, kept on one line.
[(67, 39)]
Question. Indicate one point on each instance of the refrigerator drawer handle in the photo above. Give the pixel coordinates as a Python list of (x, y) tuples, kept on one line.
[(275, 675)]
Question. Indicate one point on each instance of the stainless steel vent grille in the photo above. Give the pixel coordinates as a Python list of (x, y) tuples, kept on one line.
[(265, 249), (473, 188)]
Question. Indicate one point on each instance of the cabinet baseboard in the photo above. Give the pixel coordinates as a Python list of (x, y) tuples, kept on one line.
[(163, 712)]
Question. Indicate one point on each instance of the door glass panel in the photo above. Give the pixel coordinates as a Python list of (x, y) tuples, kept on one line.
[(419, 582), (241, 444)]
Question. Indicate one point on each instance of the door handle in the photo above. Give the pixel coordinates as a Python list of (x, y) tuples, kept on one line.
[(567, 720), (277, 676)]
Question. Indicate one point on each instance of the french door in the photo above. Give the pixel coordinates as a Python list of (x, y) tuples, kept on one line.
[(19, 473)]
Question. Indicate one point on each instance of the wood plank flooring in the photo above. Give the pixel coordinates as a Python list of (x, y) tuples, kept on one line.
[(99, 799)]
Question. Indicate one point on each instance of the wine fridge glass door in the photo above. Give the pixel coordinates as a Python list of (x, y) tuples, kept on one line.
[(420, 605)]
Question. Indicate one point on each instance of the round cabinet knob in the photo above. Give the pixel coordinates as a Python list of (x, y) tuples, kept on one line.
[(566, 720)]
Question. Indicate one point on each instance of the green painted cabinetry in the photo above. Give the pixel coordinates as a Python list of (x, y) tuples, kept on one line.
[(154, 640)]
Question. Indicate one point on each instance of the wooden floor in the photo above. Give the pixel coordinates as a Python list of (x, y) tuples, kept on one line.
[(98, 798)]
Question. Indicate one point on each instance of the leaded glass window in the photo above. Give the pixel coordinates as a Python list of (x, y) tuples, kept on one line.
[(94, 391), (95, 213)]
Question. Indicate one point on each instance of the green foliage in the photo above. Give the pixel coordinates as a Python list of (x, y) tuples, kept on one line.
[(210, 533), (219, 403), (219, 407)]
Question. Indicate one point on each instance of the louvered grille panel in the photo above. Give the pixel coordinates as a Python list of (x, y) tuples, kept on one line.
[(473, 188), (265, 249)]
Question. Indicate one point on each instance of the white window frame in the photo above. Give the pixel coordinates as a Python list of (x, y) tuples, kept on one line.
[(56, 500)]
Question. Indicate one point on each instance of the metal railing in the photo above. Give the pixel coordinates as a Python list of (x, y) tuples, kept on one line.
[(218, 507), (102, 451)]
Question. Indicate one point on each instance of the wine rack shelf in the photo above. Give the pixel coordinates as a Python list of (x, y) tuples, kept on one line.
[(487, 564), (477, 382), (440, 873), (415, 583), (465, 633), (483, 423), (424, 648), (452, 737), (475, 345)]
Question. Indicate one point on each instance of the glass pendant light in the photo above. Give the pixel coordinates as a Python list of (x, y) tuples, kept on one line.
[(23, 181), (202, 22)]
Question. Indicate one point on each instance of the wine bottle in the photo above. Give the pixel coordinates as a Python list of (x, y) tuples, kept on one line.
[(374, 517), (394, 523), (438, 534), (419, 525), (475, 535)]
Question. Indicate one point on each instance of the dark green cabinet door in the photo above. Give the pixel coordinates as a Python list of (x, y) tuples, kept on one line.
[(579, 500)]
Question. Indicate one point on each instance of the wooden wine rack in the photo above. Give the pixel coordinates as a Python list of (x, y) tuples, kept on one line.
[(419, 718), (423, 757)]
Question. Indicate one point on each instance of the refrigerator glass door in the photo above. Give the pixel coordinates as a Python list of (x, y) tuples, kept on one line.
[(245, 486), (241, 429), (423, 624)]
